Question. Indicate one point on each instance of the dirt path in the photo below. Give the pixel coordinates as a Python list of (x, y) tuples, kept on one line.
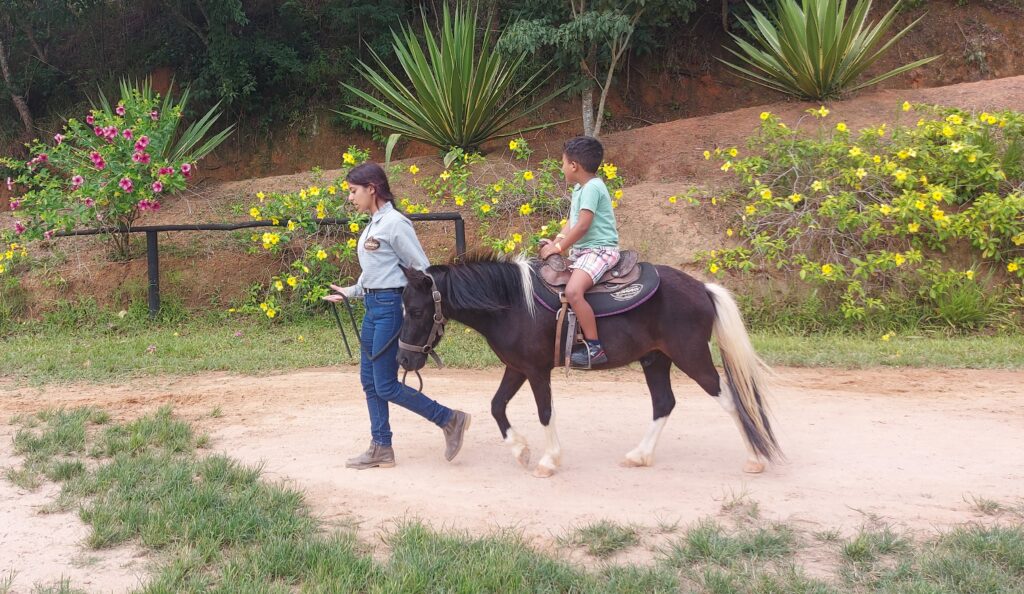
[(908, 446)]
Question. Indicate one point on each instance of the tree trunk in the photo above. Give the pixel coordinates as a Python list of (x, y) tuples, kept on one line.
[(588, 110), (19, 101)]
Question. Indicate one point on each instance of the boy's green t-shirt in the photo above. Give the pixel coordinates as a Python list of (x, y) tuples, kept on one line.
[(594, 196)]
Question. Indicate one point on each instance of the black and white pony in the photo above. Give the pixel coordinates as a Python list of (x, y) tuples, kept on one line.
[(495, 298)]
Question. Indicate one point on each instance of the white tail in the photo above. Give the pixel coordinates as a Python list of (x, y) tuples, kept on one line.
[(744, 370)]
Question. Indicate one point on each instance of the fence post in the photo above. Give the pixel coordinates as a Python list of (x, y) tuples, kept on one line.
[(153, 266), (460, 237)]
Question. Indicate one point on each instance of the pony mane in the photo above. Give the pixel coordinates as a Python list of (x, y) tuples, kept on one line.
[(485, 282)]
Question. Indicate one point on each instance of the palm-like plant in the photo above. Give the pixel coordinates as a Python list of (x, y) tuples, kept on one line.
[(455, 97), (812, 50)]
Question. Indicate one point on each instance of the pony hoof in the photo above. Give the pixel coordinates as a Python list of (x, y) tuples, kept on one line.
[(628, 462), (543, 471), (753, 467), (523, 457)]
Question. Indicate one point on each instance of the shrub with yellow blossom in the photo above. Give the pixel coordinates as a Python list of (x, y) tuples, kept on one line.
[(865, 217)]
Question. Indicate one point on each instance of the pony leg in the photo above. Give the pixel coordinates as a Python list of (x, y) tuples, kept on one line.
[(552, 457), (656, 371), (510, 384)]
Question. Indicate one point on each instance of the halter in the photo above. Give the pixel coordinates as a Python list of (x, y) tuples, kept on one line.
[(436, 331)]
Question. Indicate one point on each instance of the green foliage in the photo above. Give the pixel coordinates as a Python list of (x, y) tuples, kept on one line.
[(867, 218), (455, 97), (812, 50)]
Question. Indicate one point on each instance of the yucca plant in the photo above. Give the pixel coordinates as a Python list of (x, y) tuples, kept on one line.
[(185, 146), (455, 97), (812, 50)]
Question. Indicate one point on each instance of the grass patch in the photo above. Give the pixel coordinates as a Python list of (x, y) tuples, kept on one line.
[(220, 527), (120, 349), (603, 539)]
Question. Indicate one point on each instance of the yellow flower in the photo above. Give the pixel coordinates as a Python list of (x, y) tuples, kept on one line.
[(714, 201), (321, 210), (353, 227), (886, 209), (954, 119), (314, 191), (344, 185), (513, 145), (264, 306), (321, 255), (726, 166), (887, 336), (906, 106), (919, 204), (610, 171), (751, 209), (445, 175), (826, 269), (278, 285), (913, 227), (494, 200), (459, 201), (947, 131), (881, 130), (765, 115), (713, 268), (855, 151), (2, 268), (1012, 267), (672, 199), (271, 313), (615, 203), (822, 112), (525, 209), (766, 194), (527, 175), (841, 127), (969, 274), (348, 159), (275, 221), (414, 169), (900, 175), (291, 225), (261, 196), (332, 190), (956, 147), (618, 194), (861, 173), (510, 245), (301, 338), (795, 198), (485, 208), (305, 269), (899, 259), (937, 195), (1019, 239), (496, 187), (728, 232), (302, 194), (733, 152), (707, 155), (292, 281), (816, 185), (517, 238), (254, 213), (971, 158), (876, 159), (351, 243)]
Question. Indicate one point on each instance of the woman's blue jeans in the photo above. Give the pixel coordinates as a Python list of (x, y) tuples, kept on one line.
[(381, 323)]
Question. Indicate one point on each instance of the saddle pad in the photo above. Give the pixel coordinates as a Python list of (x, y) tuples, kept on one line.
[(605, 304)]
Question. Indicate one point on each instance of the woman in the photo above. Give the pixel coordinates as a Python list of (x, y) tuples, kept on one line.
[(387, 241)]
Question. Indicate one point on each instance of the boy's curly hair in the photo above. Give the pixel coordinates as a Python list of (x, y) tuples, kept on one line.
[(585, 150)]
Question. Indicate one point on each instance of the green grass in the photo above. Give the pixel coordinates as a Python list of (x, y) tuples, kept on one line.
[(219, 527), (111, 349)]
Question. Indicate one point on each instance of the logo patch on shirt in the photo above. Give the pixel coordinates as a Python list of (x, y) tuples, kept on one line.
[(371, 244)]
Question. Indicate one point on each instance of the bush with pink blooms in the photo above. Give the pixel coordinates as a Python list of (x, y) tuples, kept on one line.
[(104, 170)]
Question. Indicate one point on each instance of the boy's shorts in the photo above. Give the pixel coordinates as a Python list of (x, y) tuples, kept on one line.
[(594, 261)]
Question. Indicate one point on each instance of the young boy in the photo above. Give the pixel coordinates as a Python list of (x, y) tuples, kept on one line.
[(592, 235)]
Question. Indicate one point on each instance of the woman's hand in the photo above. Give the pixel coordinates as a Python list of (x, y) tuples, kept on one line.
[(339, 294)]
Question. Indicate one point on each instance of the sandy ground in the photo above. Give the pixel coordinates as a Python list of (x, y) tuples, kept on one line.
[(911, 447)]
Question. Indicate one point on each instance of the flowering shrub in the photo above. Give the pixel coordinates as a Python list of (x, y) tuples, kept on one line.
[(514, 212), (106, 169), (865, 216)]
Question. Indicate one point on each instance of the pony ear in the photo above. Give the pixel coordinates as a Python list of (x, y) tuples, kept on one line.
[(414, 276)]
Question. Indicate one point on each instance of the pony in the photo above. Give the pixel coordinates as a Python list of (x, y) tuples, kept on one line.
[(495, 297)]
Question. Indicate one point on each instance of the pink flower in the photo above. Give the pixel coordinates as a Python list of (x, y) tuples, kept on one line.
[(154, 115), (90, 120), (145, 159), (110, 133), (77, 181), (15, 204), (166, 170), (154, 205), (127, 133), (59, 138), (19, 227), (97, 131), (95, 156), (48, 235), (119, 110), (142, 143), (136, 157), (126, 184), (186, 169), (158, 187), (101, 164), (89, 202)]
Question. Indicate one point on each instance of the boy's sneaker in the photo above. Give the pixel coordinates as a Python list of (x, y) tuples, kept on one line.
[(588, 354)]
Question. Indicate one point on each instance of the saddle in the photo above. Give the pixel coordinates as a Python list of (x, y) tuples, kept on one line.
[(625, 286), (555, 272)]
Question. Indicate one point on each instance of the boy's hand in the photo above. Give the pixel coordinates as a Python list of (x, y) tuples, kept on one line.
[(548, 250)]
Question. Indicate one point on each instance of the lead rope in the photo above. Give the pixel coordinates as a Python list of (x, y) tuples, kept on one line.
[(362, 347)]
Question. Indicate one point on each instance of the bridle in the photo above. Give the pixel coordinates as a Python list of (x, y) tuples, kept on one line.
[(436, 331)]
